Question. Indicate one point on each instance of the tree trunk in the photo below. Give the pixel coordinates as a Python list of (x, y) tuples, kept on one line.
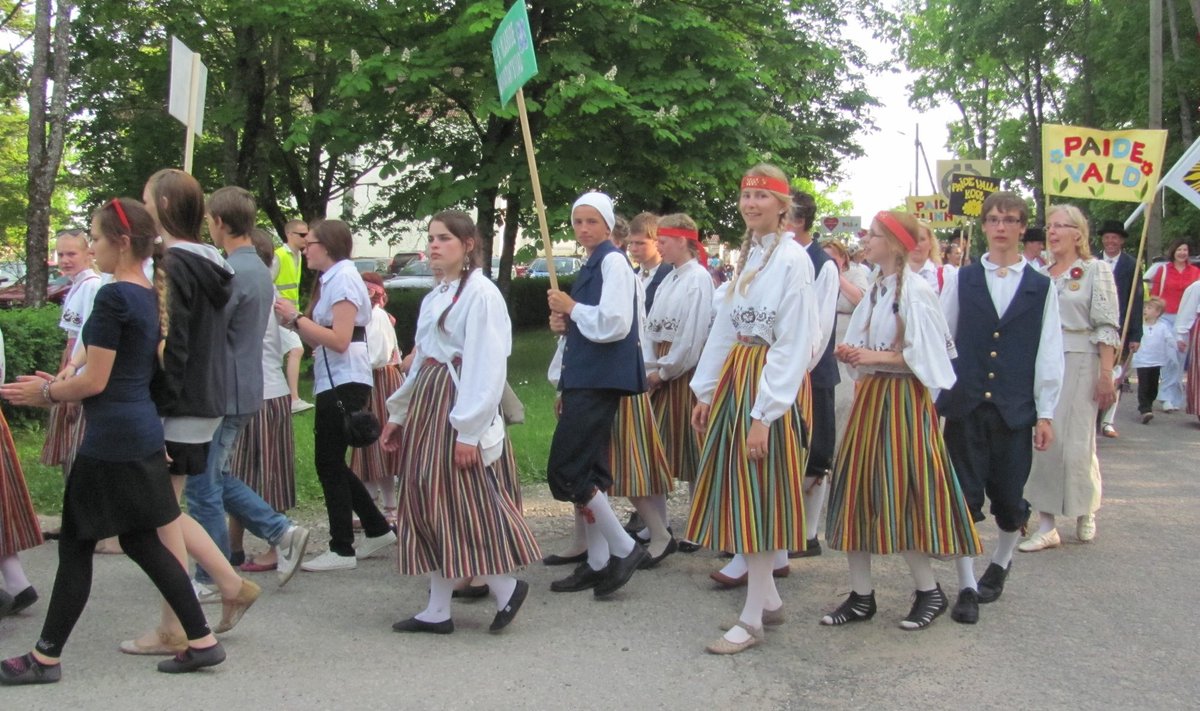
[(1185, 109), (485, 207), (45, 151), (512, 220), (1154, 215)]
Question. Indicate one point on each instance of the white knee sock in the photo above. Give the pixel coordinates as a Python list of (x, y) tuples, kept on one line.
[(597, 548), (921, 569), (758, 584), (579, 542), (814, 500), (735, 568), (779, 558), (603, 518), (501, 587), (14, 575), (660, 505), (655, 524), (966, 573), (1005, 545), (1045, 522), (441, 589), (860, 572), (388, 491)]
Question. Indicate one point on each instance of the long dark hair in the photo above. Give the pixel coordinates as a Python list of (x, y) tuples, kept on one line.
[(460, 224), (183, 214)]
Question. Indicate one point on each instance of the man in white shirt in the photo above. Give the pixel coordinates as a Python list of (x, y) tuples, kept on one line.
[(1004, 318)]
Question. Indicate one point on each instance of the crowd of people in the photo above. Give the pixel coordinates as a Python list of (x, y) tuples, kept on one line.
[(972, 380)]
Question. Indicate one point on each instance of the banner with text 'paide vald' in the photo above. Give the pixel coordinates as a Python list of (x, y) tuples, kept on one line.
[(1102, 165)]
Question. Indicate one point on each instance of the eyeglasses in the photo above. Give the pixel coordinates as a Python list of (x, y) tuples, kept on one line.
[(309, 243), (1062, 226), (1010, 221)]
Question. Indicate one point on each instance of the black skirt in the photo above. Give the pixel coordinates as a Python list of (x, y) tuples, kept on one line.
[(105, 499)]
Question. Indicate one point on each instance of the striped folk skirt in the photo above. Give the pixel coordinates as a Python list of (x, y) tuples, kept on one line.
[(635, 455), (506, 471), (19, 528), (265, 454), (1193, 371), (894, 488), (672, 404), (64, 433), (373, 462), (804, 400), (464, 523), (743, 505)]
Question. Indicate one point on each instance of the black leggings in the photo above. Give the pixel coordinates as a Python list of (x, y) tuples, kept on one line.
[(73, 585), (344, 492)]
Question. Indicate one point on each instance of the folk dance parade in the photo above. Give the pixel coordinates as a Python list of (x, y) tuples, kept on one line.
[(976, 392)]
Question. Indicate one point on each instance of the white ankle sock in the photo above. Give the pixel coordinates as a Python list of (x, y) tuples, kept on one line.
[(501, 587), (1005, 545), (597, 547), (814, 500), (1045, 522), (860, 572), (619, 542), (735, 568), (966, 573), (14, 575), (921, 569), (441, 589)]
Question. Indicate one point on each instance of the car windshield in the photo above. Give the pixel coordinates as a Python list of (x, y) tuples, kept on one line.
[(416, 269), (560, 264)]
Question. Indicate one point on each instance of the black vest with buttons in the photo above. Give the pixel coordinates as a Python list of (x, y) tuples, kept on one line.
[(587, 365), (996, 354)]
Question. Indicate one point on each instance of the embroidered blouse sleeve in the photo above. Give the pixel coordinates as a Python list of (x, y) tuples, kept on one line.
[(611, 319), (720, 339), (694, 321), (487, 341), (1048, 367), (789, 356), (1103, 316)]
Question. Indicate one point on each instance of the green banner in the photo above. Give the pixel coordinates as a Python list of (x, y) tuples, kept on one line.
[(512, 51)]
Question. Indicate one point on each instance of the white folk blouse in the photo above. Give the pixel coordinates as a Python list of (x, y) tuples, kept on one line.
[(682, 316)]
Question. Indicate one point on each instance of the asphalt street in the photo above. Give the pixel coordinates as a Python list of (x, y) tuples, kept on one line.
[(1107, 624)]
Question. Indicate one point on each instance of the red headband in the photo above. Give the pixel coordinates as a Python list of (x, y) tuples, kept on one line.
[(751, 182), (116, 203), (897, 230), (689, 235)]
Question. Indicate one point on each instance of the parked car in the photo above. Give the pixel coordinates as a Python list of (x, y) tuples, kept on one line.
[(56, 290), (563, 266), (403, 259), (414, 275), (367, 264)]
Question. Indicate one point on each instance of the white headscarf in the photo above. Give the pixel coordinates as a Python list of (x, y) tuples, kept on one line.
[(602, 203)]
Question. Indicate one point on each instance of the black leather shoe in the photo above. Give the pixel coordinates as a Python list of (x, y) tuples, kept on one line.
[(812, 548), (506, 615), (991, 583), (966, 607), (619, 571), (21, 600), (651, 562), (6, 604), (191, 659), (471, 592), (553, 559), (686, 546), (634, 524), (412, 624), (583, 578)]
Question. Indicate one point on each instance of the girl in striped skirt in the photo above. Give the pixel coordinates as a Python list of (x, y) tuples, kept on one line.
[(264, 456), (457, 517), (748, 496), (376, 466), (19, 529), (894, 488), (65, 430), (676, 329)]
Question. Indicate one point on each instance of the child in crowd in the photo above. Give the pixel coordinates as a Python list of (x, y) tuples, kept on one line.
[(1158, 340)]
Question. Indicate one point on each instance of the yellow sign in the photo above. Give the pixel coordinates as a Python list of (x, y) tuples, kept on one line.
[(968, 166), (1102, 165), (934, 209)]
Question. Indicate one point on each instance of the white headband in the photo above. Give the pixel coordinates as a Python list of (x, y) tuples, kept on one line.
[(602, 203)]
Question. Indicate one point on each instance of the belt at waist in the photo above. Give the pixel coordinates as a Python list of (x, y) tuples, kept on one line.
[(752, 340), (359, 335)]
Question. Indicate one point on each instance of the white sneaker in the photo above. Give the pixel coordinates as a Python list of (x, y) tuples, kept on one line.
[(299, 406), (1040, 541), (1085, 527), (206, 594), (1169, 408), (371, 546), (289, 553), (329, 561)]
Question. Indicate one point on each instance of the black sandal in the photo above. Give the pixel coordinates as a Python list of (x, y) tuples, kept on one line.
[(927, 605), (856, 608)]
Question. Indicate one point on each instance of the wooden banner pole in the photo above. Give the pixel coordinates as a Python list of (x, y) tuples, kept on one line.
[(189, 145), (537, 188), (1137, 274)]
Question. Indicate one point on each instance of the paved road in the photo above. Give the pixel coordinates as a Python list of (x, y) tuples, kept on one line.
[(1109, 624)]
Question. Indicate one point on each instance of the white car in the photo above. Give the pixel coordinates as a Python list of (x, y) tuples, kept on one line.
[(414, 275), (563, 266)]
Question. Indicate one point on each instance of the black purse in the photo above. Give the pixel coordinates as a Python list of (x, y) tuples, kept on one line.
[(361, 427)]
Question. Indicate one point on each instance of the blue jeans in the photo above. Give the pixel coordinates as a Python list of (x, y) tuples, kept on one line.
[(211, 494)]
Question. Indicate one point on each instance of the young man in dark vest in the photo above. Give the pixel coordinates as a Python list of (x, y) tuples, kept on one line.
[(1112, 239), (601, 363), (642, 247), (1004, 318), (824, 375)]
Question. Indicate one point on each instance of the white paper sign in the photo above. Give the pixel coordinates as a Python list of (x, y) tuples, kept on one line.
[(182, 90)]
